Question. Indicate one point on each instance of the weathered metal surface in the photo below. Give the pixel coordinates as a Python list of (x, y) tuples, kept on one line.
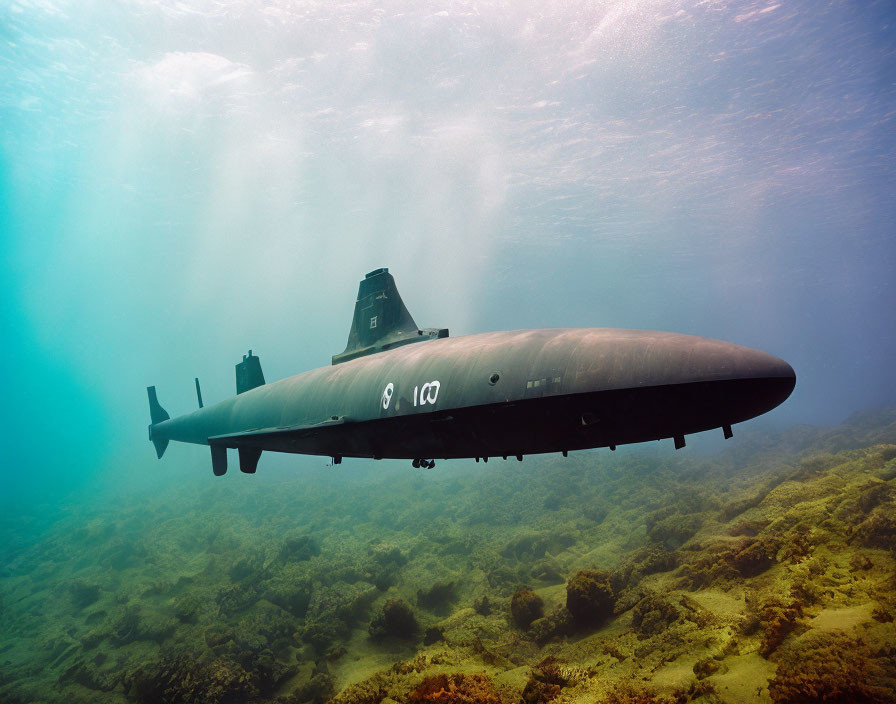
[(500, 393)]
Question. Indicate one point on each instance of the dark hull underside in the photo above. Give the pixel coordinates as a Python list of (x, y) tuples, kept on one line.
[(538, 425)]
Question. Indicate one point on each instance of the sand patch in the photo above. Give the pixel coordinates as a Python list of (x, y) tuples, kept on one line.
[(746, 679), (843, 619)]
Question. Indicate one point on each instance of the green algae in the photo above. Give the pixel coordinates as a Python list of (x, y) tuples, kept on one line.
[(691, 580)]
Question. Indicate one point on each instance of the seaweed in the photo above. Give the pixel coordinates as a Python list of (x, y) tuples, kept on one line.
[(263, 625), (777, 620), (749, 557), (627, 694), (320, 634), (367, 692), (705, 667), (341, 604), (834, 667), (876, 531), (546, 681), (268, 672), (179, 680), (455, 689)]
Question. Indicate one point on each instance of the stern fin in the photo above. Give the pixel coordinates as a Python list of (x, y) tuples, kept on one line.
[(158, 415)]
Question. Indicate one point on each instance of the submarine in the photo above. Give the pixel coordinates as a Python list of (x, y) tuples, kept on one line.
[(398, 391)]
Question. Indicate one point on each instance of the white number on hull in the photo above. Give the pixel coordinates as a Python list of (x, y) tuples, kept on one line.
[(424, 395), (387, 395), (428, 393)]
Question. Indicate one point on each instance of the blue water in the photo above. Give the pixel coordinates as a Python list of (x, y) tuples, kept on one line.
[(183, 181)]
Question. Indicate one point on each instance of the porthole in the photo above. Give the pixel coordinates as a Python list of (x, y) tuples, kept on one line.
[(494, 378)]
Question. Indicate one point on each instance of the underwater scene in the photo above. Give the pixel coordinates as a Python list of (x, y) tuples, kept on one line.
[(673, 206)]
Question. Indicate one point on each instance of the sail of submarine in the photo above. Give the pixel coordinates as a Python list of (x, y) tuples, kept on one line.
[(398, 391)]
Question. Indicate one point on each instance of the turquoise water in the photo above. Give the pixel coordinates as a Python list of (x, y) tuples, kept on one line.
[(183, 181)]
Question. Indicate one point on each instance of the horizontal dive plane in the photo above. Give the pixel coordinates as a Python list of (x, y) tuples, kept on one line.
[(399, 391)]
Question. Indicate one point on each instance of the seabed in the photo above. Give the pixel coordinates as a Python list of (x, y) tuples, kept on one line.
[(765, 573)]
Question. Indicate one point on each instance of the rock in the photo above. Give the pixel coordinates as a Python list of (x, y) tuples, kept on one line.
[(589, 598), (298, 548), (83, 593), (653, 615), (438, 598), (482, 606), (187, 608), (556, 624), (525, 607), (396, 619), (432, 635), (289, 594), (215, 638)]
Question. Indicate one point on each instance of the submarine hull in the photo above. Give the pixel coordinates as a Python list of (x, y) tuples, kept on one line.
[(498, 394), (601, 419)]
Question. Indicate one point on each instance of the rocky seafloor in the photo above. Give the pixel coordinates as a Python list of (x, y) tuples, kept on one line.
[(764, 573)]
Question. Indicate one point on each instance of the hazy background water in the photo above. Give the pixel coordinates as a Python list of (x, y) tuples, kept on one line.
[(183, 181)]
